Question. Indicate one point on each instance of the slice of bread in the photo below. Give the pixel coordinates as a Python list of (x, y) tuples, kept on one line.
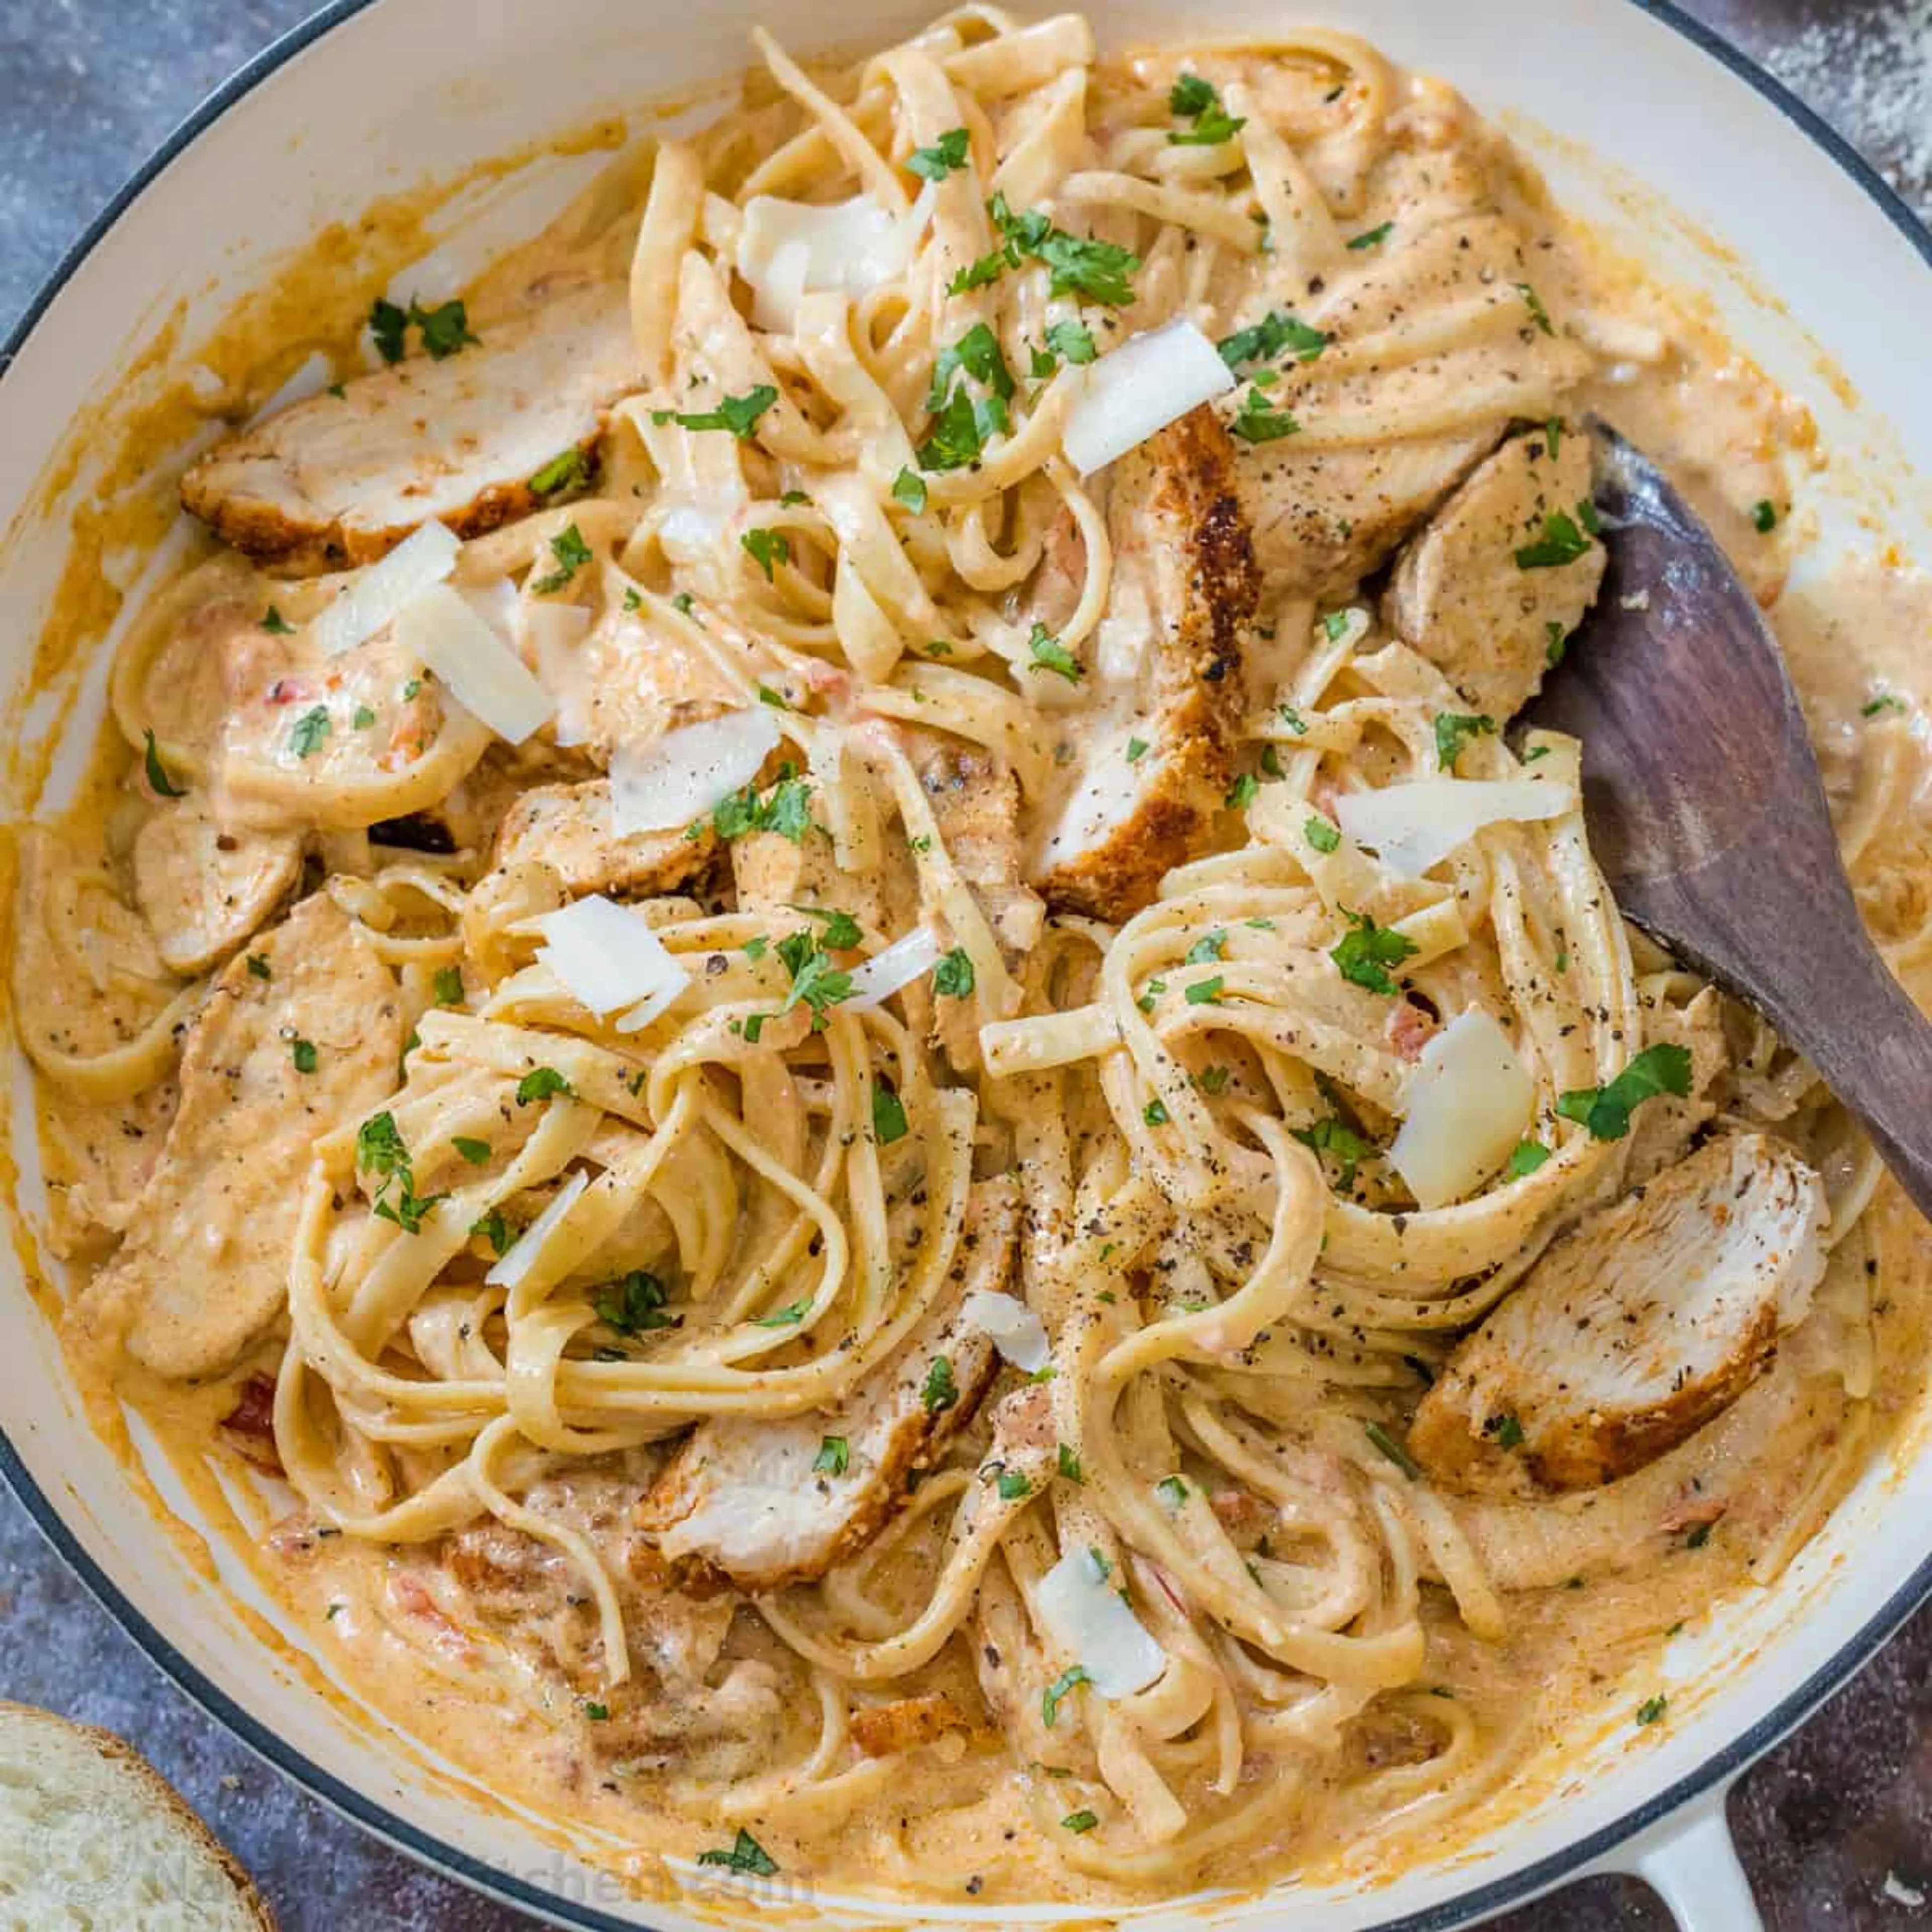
[(93, 1839)]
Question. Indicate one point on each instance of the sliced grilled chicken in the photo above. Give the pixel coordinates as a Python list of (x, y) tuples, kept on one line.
[(1434, 306), (749, 1501), (342, 479), (567, 827), (976, 799), (628, 680), (1635, 1330), (880, 1730), (1163, 697), (284, 1051), (1462, 596), (204, 889)]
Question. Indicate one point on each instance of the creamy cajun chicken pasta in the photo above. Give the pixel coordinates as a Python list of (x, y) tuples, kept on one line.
[(815, 1025)]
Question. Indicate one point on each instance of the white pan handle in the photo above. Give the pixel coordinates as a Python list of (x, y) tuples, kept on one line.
[(1690, 1863)]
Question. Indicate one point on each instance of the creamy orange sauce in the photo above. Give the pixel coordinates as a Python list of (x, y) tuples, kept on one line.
[(521, 1708)]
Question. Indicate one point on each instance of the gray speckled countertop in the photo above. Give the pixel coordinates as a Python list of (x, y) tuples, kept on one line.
[(87, 88)]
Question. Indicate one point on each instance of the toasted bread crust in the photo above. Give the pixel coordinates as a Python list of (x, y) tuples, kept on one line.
[(160, 1795)]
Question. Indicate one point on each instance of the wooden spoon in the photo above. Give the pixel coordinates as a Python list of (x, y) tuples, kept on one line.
[(1708, 815)]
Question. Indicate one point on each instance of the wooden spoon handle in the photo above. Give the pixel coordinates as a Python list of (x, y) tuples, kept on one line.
[(1874, 1048)]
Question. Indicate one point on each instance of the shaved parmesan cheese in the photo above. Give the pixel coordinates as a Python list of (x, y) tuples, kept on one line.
[(1084, 1613), (682, 776), (552, 633), (787, 248), (1145, 384), (374, 597), (1469, 1102), (893, 970), (510, 1269), (1411, 827), (485, 676), (609, 958), (1014, 1329)]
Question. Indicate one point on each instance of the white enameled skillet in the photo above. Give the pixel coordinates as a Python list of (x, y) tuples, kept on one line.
[(1667, 138)]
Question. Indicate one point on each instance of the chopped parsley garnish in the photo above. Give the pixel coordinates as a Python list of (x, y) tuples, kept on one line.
[(1050, 654), (1651, 1711), (1562, 542), (962, 430), (1099, 271), (1321, 835), (953, 976), (1062, 1688), (1275, 332), (387, 324), (597, 1714), (1366, 951), (889, 1115), (787, 1317), (1012, 1485), (541, 1083), (1764, 515), (364, 717), (1070, 1465), (1205, 992), (1373, 237), (1073, 342), (1212, 1079), (1195, 100), (785, 809), (940, 1392), (816, 983), (1172, 1491), (1525, 1158), (1137, 749), (1210, 946), (493, 1228), (567, 471), (1155, 1114), (302, 1052), (1243, 792), (1538, 314), (1554, 642), (1505, 1431), (275, 624), (571, 553), (1257, 422), (745, 1854), (259, 968), (1393, 1450), (1293, 719), (978, 353), (445, 329), (842, 931), (633, 1304), (738, 414), (475, 1152), (1077, 1822), (159, 781), (935, 162), (1335, 1136), (448, 984), (909, 488), (1606, 1111), (834, 1455), (765, 548), (1454, 730), (1886, 700), (310, 729)]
